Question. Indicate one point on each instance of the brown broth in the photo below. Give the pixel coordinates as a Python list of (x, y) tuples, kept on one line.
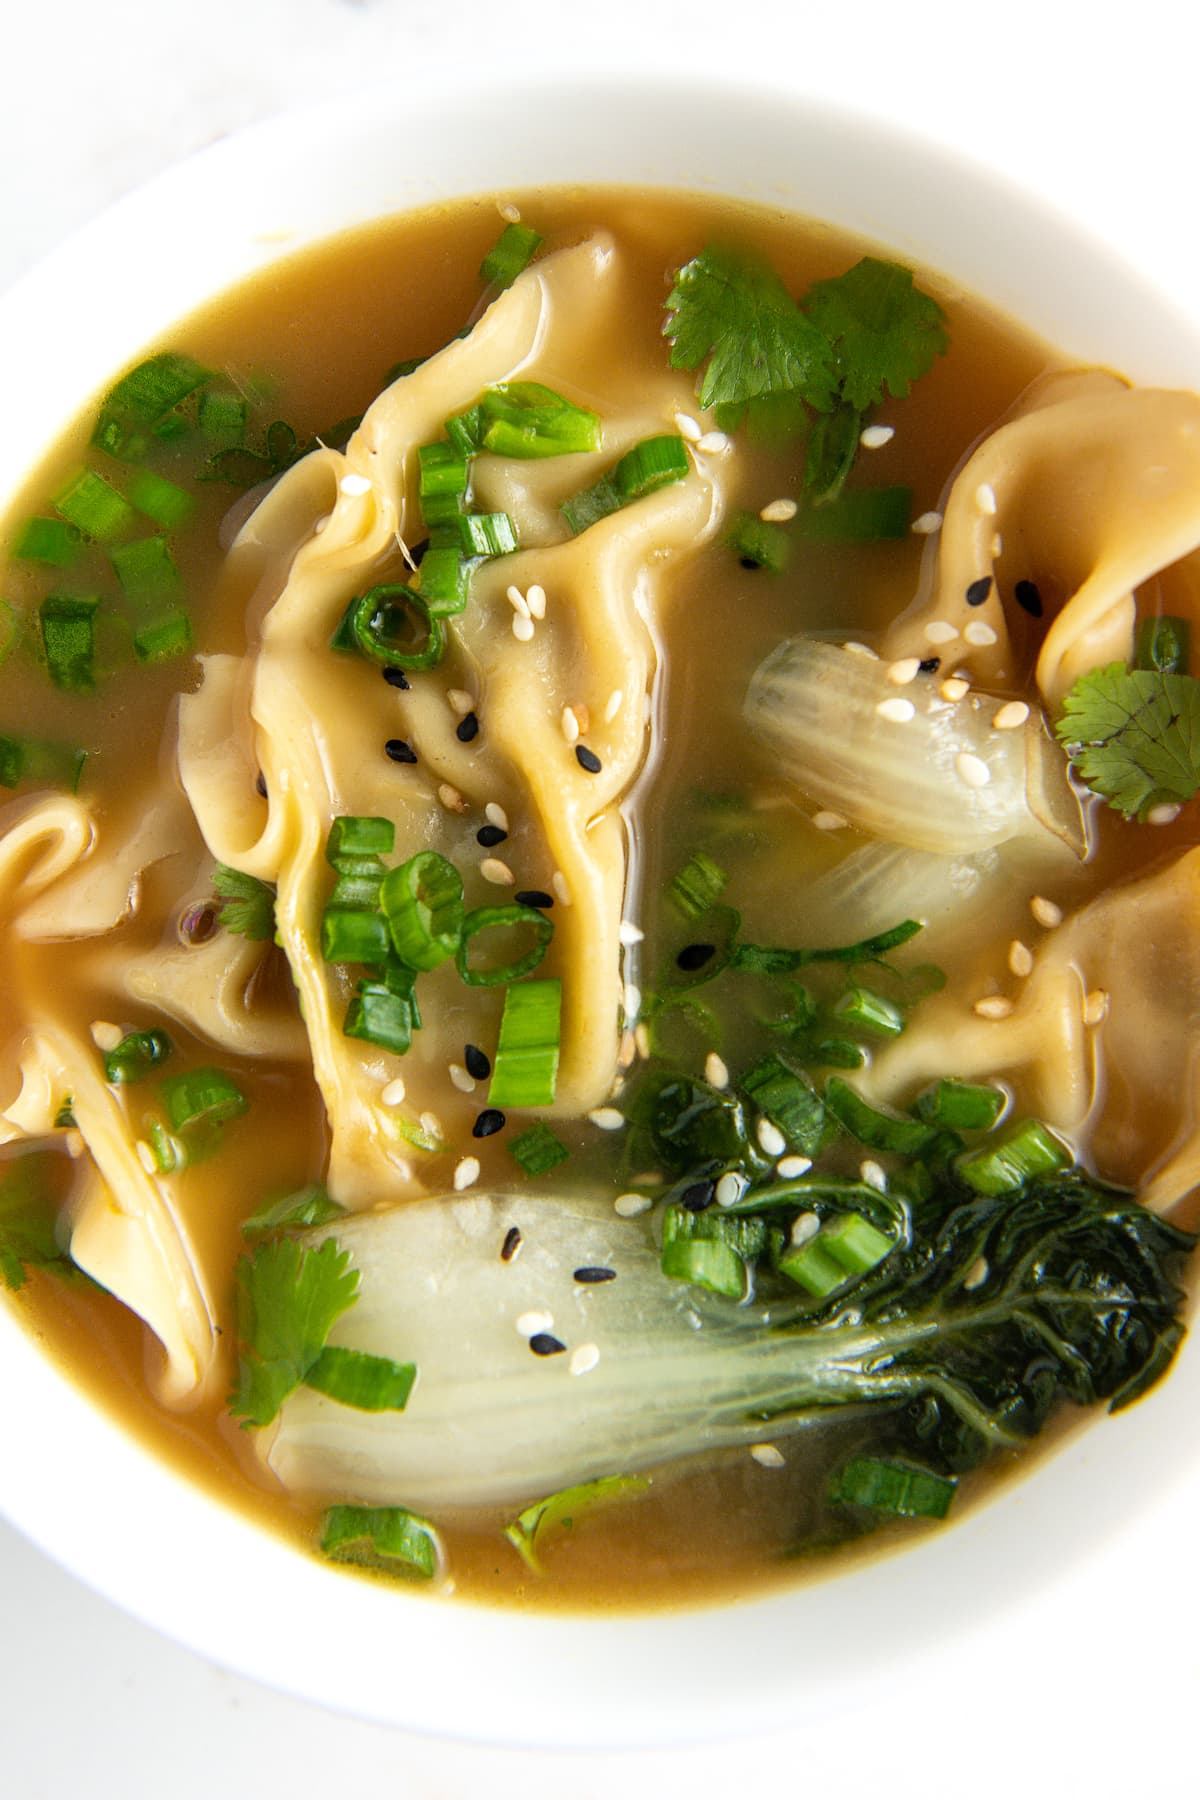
[(325, 326)]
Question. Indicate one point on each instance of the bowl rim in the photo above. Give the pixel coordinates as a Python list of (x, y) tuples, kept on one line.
[(564, 1681)]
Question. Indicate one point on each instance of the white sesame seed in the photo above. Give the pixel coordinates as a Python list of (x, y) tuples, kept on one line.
[(522, 627), (899, 712), (629, 1206), (770, 1137), (562, 892), (715, 441), (320, 525), (977, 1274), (716, 1071), (1095, 1007), (492, 869), (517, 600), (805, 1227), (608, 1118), (789, 1167), (431, 1125), (941, 631), (993, 1006), (569, 724), (631, 1000), (687, 427), (778, 512), (354, 485), (857, 649), (393, 1094), (1166, 814), (146, 1157), (510, 213), (535, 599), (829, 821), (927, 523), (876, 436), (1046, 912), (450, 798), (627, 1050), (641, 1038), (495, 815), (630, 933), (584, 1359), (459, 701), (466, 1173), (972, 769), (955, 687), (873, 1174), (767, 1455), (106, 1037), (730, 1188), (75, 1143), (979, 632), (613, 705), (584, 716), (997, 546), (1011, 716), (530, 1323), (905, 670), (464, 1082), (985, 498), (1020, 958)]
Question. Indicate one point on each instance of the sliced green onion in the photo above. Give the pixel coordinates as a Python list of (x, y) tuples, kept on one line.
[(28, 759), (830, 453), (759, 543), (711, 1249), (910, 1493), (530, 1527), (443, 470), (870, 1012), (844, 1247), (95, 507), (465, 430), (382, 1537), (697, 886), (513, 251), (422, 902), (1164, 644), (359, 881), (1022, 1154), (222, 418), (381, 624), (872, 1126), (655, 463), (146, 569), (445, 580), (169, 633), (160, 499), (960, 1105), (170, 1155), (143, 397), (379, 1016), (68, 626), (356, 1378), (765, 961), (592, 504), (52, 541), (524, 419), (201, 1098), (359, 834), (537, 1150), (693, 1124), (308, 1206), (487, 534), (137, 1053), (497, 918), (525, 1069), (863, 517), (353, 935), (789, 1101)]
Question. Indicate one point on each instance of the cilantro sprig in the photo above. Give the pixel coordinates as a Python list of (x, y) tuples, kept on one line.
[(245, 905), (1133, 735), (736, 311)]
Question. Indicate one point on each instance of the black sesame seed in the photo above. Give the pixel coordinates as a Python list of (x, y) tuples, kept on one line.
[(542, 1344), (399, 751), (587, 759), (477, 1064), (590, 1275), (929, 665), (1027, 596), (979, 590), (417, 552), (748, 562), (511, 1244), (534, 897), (490, 1121), (697, 1197), (694, 956), (395, 678), (467, 728), (261, 784), (489, 836)]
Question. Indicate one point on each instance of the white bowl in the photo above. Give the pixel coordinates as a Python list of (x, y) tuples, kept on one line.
[(90, 1495)]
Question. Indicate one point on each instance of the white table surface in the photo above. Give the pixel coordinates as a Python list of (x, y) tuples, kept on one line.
[(1095, 105)]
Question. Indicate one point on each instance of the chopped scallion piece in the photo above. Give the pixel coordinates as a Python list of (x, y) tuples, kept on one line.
[(68, 626), (444, 470), (202, 1098), (513, 251), (137, 1053), (1164, 644), (960, 1105), (525, 1070), (358, 834), (655, 463), (385, 1537), (222, 418), (143, 398), (422, 902), (356, 1378), (537, 1150), (530, 1527), (497, 918), (844, 1247), (910, 1493), (379, 1016), (169, 633), (487, 534), (1026, 1151), (759, 543), (308, 1206), (592, 504), (381, 624), (445, 580), (711, 1249), (872, 1126), (862, 517), (160, 499), (28, 759), (51, 541), (789, 1100), (524, 419), (146, 569), (94, 507), (353, 935), (870, 1012), (697, 886), (465, 430)]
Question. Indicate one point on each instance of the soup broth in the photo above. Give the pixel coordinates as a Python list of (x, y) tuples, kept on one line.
[(313, 342)]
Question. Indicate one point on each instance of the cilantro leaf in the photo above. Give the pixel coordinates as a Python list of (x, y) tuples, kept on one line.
[(27, 1208), (289, 1298), (735, 310), (1134, 735), (245, 904), (884, 330)]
